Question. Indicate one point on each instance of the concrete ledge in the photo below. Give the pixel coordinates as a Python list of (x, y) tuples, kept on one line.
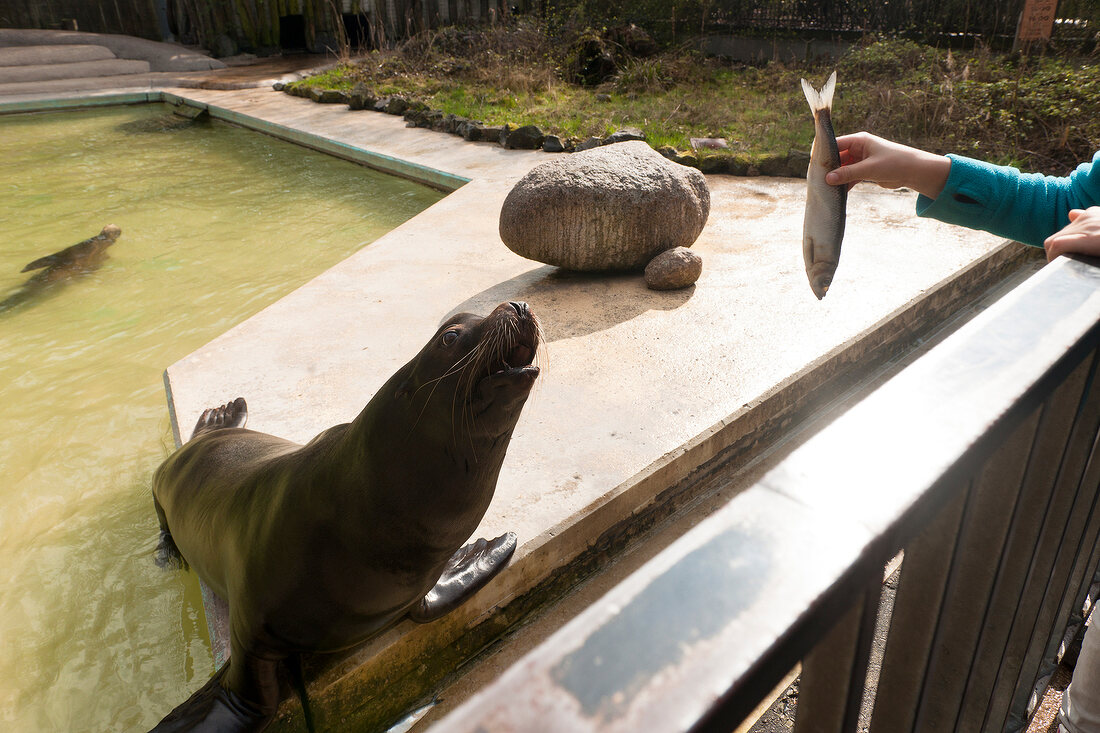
[(66, 54), (161, 56), (75, 70), (387, 163), (57, 105)]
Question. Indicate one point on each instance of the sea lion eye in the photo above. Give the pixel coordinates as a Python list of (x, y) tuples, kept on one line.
[(450, 337)]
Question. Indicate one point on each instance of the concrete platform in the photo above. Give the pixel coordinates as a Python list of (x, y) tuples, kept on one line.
[(67, 54), (641, 390)]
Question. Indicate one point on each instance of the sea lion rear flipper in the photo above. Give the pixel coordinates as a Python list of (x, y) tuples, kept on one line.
[(468, 570), (47, 261), (218, 709)]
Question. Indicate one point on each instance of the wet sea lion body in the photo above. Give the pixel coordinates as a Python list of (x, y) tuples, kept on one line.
[(320, 547), (78, 259)]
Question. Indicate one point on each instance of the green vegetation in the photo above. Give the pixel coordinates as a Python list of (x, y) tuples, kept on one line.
[(1038, 112)]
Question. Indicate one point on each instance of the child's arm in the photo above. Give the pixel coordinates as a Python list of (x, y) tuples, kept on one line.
[(1026, 207), (865, 157)]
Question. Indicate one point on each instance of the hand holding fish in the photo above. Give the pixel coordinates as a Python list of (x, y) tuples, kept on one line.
[(1081, 236), (867, 157)]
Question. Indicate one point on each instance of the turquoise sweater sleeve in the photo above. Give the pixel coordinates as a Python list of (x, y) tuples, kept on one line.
[(1026, 207)]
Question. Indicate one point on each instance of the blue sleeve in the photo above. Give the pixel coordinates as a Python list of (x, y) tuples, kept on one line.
[(1026, 207)]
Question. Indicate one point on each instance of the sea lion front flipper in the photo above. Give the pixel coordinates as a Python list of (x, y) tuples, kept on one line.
[(230, 415), (217, 709), (468, 570)]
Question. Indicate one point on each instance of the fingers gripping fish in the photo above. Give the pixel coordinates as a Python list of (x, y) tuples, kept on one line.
[(823, 229)]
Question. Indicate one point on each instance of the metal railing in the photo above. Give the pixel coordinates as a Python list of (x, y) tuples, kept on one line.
[(979, 460)]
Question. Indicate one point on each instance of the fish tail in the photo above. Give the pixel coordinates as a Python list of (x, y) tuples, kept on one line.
[(820, 99)]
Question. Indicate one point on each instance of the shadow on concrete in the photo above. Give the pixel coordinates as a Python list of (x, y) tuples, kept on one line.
[(571, 304)]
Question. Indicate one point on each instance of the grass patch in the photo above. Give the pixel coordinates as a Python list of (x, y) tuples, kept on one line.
[(1038, 113)]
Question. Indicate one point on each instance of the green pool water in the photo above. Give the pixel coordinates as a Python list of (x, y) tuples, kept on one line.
[(217, 222)]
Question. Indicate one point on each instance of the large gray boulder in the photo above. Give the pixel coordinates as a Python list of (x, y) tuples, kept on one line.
[(610, 208)]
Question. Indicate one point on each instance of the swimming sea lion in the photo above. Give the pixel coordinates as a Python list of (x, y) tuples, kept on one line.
[(79, 259), (319, 547)]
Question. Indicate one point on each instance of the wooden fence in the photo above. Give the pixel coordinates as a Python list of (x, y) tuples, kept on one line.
[(254, 25), (130, 17)]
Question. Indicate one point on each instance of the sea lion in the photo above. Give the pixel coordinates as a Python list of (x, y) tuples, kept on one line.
[(78, 259), (320, 547)]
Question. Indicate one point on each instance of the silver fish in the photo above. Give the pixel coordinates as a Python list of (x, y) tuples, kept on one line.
[(823, 228)]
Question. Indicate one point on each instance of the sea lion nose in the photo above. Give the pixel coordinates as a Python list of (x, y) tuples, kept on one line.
[(520, 307)]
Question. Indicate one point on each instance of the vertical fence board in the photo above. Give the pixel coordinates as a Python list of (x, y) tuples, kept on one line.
[(1014, 560), (1017, 604), (1053, 563), (985, 528), (834, 673), (912, 627)]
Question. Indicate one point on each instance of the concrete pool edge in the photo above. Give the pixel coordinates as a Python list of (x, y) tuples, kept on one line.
[(60, 104), (439, 179)]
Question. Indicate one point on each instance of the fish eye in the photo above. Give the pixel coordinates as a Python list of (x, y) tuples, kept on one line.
[(449, 337)]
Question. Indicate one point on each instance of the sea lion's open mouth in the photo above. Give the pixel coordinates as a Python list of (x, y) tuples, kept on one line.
[(517, 359), (514, 339)]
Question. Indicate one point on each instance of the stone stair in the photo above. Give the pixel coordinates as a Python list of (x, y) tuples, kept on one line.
[(30, 64)]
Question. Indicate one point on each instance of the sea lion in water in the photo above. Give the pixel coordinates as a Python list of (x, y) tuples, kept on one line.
[(319, 547), (79, 259)]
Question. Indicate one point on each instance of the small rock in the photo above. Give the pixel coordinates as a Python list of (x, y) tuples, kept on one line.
[(739, 165), (360, 97), (603, 97), (688, 159), (620, 136), (491, 133), (798, 161), (673, 269), (714, 164), (418, 115), (396, 106), (278, 86), (328, 96), (472, 131), (553, 144), (774, 165), (668, 151), (528, 137), (380, 104), (592, 142)]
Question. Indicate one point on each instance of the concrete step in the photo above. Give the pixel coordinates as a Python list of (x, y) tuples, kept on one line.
[(78, 70), (57, 54)]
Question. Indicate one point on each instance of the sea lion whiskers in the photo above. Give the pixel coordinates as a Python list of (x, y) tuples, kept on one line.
[(458, 367)]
